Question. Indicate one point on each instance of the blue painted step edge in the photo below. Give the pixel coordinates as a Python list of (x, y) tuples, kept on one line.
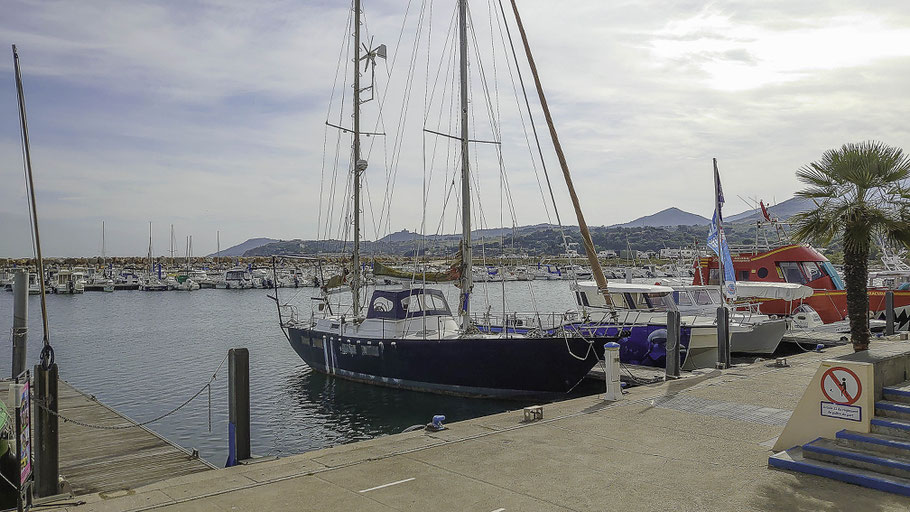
[(897, 391), (860, 457), (893, 407), (900, 425), (872, 482), (863, 438)]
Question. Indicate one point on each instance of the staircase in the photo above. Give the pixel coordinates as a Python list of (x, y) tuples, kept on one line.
[(878, 460)]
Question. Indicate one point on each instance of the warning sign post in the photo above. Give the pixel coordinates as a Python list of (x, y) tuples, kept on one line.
[(839, 397)]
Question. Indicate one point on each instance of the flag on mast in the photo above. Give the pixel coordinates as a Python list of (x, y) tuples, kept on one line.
[(718, 242), (764, 211)]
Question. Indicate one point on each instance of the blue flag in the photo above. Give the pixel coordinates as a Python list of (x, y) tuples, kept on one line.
[(718, 242)]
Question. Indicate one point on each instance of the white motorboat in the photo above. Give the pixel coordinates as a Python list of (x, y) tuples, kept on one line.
[(235, 279), (68, 282)]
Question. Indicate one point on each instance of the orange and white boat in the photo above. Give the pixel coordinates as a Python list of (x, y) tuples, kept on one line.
[(803, 265)]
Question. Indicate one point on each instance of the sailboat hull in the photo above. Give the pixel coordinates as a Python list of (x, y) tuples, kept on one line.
[(476, 367)]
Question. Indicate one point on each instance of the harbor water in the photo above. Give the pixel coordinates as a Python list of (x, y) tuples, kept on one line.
[(145, 353)]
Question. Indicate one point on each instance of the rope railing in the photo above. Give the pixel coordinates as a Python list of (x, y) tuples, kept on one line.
[(205, 387)]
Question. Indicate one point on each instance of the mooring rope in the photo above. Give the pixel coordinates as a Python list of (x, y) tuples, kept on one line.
[(206, 386)]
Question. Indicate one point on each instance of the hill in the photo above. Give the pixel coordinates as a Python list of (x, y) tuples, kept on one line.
[(241, 249), (668, 217)]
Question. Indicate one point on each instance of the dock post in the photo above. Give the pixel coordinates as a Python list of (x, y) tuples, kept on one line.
[(47, 447), (889, 313), (723, 338), (611, 371), (20, 320), (673, 345), (238, 406)]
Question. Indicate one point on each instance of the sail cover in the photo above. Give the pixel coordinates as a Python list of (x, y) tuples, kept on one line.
[(452, 274)]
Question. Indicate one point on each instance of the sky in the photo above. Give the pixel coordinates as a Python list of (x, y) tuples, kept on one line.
[(210, 115)]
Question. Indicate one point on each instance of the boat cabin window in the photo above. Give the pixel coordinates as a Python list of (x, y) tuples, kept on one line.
[(812, 271), (792, 273), (234, 274), (651, 301), (702, 298), (423, 302), (682, 298), (715, 296)]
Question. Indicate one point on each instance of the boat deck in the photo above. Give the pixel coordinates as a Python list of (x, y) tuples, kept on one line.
[(94, 460)]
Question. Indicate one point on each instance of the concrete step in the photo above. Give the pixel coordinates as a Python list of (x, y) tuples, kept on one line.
[(891, 427), (898, 392), (828, 450), (874, 442), (793, 460), (889, 409)]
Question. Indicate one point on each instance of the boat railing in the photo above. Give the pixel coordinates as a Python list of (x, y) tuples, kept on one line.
[(524, 320), (289, 313)]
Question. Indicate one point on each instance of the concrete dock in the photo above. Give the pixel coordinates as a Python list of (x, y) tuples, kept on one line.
[(701, 443), (98, 460)]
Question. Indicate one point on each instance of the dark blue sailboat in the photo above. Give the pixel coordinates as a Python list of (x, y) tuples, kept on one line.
[(410, 338)]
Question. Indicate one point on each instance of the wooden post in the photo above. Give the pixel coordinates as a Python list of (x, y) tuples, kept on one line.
[(673, 345), (723, 338), (20, 321), (889, 313), (238, 405), (47, 447)]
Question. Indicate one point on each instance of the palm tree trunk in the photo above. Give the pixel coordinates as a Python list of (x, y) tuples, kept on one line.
[(856, 260)]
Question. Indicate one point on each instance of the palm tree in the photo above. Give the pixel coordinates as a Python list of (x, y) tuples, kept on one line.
[(860, 191)]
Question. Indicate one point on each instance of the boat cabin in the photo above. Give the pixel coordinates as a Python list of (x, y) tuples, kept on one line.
[(795, 264), (409, 303), (628, 296)]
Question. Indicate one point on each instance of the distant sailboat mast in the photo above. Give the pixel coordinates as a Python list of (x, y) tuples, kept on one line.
[(150, 252)]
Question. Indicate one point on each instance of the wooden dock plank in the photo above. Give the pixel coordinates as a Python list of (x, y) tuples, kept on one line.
[(104, 460)]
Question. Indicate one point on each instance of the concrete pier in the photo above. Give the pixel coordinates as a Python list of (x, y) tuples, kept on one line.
[(700, 443)]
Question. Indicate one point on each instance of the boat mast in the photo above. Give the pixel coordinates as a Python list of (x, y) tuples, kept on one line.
[(150, 251), (464, 305), (582, 225), (358, 167), (47, 353)]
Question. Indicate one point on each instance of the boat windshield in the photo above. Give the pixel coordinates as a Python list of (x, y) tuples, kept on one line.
[(398, 305), (234, 274), (828, 269), (651, 301)]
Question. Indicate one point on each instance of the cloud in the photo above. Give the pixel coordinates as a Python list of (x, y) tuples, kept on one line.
[(210, 115)]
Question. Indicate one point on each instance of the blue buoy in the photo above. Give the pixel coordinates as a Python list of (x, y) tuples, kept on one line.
[(819, 347)]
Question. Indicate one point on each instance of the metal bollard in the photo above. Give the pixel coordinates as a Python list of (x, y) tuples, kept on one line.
[(673, 346), (47, 432), (889, 313), (611, 371), (20, 321), (723, 338), (238, 405)]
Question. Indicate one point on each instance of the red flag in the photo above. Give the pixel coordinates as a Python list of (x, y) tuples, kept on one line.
[(764, 211)]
